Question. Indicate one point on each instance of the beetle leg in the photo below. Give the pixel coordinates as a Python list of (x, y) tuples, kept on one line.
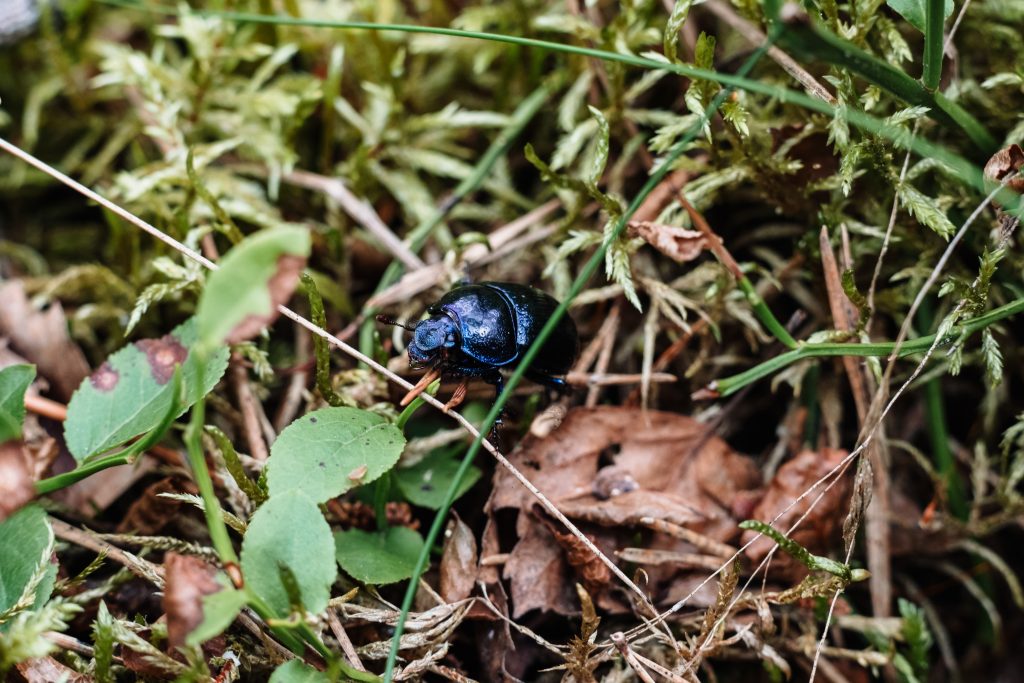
[(458, 396), (556, 384), (421, 386)]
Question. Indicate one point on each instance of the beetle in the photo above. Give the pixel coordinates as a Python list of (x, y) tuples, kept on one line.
[(476, 330)]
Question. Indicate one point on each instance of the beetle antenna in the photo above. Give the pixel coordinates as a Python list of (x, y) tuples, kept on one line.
[(387, 320)]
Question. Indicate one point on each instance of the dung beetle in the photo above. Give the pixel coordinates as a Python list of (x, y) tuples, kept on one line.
[(476, 330)]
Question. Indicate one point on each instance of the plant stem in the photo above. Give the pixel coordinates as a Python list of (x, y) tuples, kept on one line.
[(657, 175), (765, 315), (934, 21), (730, 385), (60, 481)]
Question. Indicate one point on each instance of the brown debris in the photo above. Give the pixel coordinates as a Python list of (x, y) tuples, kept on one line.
[(189, 579), (17, 486), (47, 670), (458, 562), (42, 338), (1006, 161), (679, 244)]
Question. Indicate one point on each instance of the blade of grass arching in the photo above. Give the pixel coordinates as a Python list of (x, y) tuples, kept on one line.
[(934, 20), (588, 270), (963, 169), (522, 115), (814, 41), (730, 385)]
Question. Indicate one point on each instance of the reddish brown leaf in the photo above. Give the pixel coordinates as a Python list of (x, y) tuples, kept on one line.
[(281, 285), (1006, 161), (17, 487), (48, 670), (594, 573), (42, 338), (679, 244), (539, 575), (188, 580), (458, 562), (820, 527)]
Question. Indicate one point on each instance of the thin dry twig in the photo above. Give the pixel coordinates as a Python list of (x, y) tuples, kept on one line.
[(342, 637), (239, 379), (145, 569)]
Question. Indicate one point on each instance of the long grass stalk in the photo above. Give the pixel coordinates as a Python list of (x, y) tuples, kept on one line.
[(934, 23)]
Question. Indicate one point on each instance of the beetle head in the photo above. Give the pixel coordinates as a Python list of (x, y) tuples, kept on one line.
[(432, 338)]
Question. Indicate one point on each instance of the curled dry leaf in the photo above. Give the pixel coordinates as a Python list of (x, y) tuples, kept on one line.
[(594, 573), (1007, 161), (458, 562), (676, 473), (17, 486), (188, 580), (679, 244), (47, 670), (792, 480), (42, 338)]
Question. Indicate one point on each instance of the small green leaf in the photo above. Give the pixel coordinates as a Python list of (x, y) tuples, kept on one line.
[(103, 639), (241, 296), (219, 610), (601, 155), (913, 11), (14, 381), (378, 557), (132, 391), (426, 483), (675, 22), (329, 451), (289, 530), (297, 671), (27, 542)]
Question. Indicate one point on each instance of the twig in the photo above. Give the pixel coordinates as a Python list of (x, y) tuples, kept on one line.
[(145, 569), (342, 637), (39, 405), (622, 645), (239, 378), (359, 210), (296, 384)]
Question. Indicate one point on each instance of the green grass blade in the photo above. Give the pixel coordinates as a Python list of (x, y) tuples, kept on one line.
[(934, 19)]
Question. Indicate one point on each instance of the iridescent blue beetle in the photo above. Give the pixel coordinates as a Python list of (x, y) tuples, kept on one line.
[(477, 330)]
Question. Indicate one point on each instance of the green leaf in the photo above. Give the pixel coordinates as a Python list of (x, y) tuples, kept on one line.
[(329, 451), (917, 637), (378, 557), (288, 529), (241, 296), (925, 209), (27, 542), (14, 381), (913, 11), (219, 611), (297, 671), (601, 154), (132, 391), (426, 483), (103, 639)]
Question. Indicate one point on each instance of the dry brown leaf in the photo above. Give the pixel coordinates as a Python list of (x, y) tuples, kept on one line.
[(42, 338), (819, 530), (594, 573), (281, 285), (17, 487), (48, 670), (676, 472), (679, 244), (458, 562), (1006, 161), (189, 579), (150, 512)]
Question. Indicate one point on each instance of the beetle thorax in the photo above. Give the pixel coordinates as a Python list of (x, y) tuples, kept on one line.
[(432, 338)]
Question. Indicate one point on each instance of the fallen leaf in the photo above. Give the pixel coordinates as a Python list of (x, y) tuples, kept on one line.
[(675, 470), (1006, 161), (592, 571), (42, 338), (150, 512), (280, 286), (820, 528), (458, 562), (17, 486), (188, 580), (679, 244), (47, 670)]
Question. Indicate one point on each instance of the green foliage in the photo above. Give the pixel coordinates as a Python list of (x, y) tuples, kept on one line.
[(103, 645), (918, 639), (427, 482), (24, 638), (297, 671), (219, 610), (913, 11), (289, 530), (378, 557), (26, 574), (344, 447), (132, 392), (14, 382)]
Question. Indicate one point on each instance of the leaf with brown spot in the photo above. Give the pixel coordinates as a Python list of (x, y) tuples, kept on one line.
[(42, 338), (241, 297), (458, 562), (131, 393), (189, 580)]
